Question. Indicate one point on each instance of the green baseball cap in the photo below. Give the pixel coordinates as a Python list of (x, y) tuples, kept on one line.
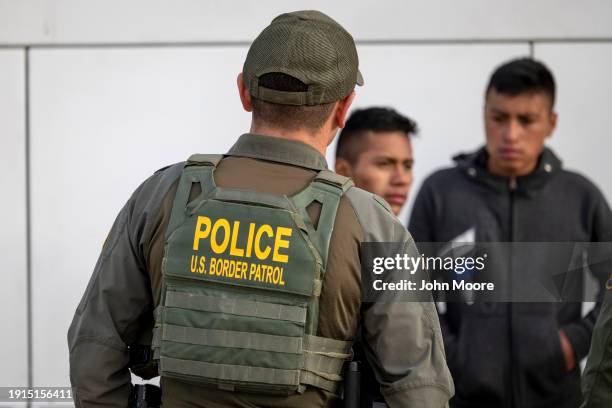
[(307, 45)]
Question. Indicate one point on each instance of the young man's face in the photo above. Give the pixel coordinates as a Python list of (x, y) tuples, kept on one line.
[(384, 167), (516, 128)]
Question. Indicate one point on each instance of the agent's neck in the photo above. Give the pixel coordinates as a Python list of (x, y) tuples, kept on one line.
[(319, 140)]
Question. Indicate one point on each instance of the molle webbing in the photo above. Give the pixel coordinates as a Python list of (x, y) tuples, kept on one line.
[(236, 306), (244, 329), (233, 339)]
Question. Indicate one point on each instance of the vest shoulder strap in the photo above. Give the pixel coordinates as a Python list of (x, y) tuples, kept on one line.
[(198, 168), (204, 160), (334, 179), (326, 188)]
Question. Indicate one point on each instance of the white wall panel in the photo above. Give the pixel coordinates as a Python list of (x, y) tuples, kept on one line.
[(119, 21), (13, 297), (583, 137), (103, 120), (441, 87)]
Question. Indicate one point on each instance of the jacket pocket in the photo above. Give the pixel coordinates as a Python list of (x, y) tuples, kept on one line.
[(540, 360), (481, 364)]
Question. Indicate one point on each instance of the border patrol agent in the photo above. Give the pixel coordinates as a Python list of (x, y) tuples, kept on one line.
[(597, 377), (245, 268)]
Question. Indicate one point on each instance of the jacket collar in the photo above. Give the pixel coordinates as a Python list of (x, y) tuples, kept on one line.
[(474, 165), (278, 150)]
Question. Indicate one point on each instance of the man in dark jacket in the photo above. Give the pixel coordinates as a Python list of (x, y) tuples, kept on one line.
[(514, 190)]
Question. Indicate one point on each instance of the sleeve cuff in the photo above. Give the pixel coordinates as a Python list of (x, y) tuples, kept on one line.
[(427, 396)]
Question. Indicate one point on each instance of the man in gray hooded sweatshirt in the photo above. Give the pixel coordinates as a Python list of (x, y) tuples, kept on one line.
[(514, 190)]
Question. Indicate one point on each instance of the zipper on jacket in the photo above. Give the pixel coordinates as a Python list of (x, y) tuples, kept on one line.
[(512, 188), (514, 385)]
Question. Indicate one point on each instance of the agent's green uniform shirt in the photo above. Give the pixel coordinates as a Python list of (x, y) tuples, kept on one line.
[(403, 339), (597, 377)]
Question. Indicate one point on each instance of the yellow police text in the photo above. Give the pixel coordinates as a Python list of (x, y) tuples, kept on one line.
[(224, 237)]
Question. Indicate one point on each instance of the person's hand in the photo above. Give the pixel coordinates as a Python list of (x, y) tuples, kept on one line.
[(568, 351)]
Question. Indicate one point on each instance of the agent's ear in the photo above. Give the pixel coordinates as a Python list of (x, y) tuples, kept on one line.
[(245, 95), (343, 167), (342, 109)]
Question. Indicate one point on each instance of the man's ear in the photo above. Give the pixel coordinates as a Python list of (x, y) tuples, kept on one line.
[(343, 108), (343, 167), (245, 95), (553, 123)]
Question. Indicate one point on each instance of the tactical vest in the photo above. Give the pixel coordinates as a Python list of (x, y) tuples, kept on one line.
[(242, 276)]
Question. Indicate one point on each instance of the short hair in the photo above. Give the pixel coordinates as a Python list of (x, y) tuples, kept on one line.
[(523, 75), (288, 117), (377, 119)]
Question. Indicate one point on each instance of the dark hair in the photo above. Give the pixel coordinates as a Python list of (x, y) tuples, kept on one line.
[(523, 75), (289, 117), (377, 119)]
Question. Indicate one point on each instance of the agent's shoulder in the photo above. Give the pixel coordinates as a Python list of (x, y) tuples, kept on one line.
[(171, 169), (159, 183), (365, 201), (375, 216)]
